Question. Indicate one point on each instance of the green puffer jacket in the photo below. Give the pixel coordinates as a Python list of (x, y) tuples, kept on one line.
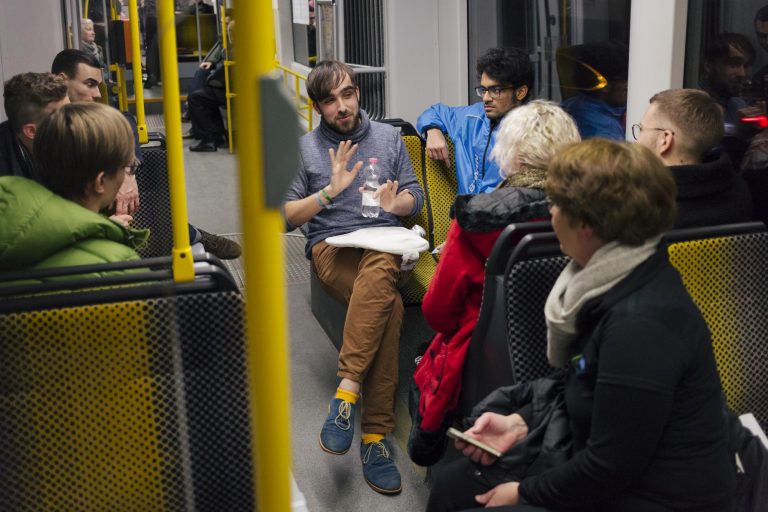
[(39, 229)]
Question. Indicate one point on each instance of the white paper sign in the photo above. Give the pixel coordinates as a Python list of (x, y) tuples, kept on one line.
[(300, 11)]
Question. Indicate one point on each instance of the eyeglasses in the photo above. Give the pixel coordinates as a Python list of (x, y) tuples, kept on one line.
[(494, 91), (637, 128), (130, 169)]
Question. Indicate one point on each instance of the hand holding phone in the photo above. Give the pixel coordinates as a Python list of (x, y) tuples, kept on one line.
[(457, 434)]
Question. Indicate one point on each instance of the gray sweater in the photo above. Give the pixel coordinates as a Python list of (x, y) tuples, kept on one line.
[(374, 140)]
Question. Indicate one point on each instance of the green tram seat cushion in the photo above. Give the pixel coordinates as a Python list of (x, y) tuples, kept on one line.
[(727, 277), (138, 405)]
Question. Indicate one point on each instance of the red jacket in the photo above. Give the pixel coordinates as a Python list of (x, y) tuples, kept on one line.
[(452, 303)]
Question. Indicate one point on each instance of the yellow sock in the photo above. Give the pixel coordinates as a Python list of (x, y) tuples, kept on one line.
[(347, 395), (372, 438)]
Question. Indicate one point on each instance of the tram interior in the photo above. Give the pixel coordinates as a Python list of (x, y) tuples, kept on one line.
[(391, 88)]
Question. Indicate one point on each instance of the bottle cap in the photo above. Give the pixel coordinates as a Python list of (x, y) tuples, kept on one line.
[(373, 160)]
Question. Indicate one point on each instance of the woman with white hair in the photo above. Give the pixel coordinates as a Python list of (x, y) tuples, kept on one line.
[(528, 137)]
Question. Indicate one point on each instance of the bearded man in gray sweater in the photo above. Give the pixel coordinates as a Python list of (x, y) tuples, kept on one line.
[(326, 196)]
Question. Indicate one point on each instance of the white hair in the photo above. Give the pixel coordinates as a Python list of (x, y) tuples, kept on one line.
[(530, 135)]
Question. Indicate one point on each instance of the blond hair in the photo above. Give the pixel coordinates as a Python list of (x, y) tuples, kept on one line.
[(77, 142), (530, 134), (696, 117), (622, 191)]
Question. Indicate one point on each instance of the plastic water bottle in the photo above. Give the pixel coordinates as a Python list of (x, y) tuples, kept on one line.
[(371, 177)]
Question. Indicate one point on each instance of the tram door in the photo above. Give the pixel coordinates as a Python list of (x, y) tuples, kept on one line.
[(542, 27)]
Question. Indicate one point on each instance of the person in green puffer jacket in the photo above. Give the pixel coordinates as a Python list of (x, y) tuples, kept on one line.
[(83, 152)]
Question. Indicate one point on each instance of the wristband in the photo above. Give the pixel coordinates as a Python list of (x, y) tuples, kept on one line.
[(320, 201), (326, 196)]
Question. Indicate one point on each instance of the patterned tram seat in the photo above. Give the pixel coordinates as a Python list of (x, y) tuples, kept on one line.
[(439, 185), (725, 270), (125, 405), (154, 210)]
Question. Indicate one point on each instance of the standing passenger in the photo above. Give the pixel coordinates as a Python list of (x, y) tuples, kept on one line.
[(682, 126), (506, 79), (325, 195)]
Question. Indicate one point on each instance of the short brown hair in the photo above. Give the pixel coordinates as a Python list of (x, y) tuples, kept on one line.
[(26, 95), (697, 118), (326, 76), (77, 142), (621, 190)]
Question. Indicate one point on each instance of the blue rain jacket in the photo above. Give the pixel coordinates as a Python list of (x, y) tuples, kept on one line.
[(473, 139)]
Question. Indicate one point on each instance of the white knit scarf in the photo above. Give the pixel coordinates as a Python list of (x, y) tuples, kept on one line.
[(575, 286)]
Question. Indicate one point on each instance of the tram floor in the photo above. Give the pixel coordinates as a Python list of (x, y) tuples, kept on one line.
[(327, 482)]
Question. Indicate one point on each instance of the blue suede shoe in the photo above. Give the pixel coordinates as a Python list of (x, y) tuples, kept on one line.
[(379, 469), (338, 429)]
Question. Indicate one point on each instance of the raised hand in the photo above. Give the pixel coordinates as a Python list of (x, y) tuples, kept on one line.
[(341, 177), (500, 432), (437, 146), (388, 195)]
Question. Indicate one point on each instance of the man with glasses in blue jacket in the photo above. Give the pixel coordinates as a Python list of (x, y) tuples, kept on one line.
[(506, 78)]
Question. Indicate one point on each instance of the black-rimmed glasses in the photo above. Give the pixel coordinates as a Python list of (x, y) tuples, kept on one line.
[(494, 91)]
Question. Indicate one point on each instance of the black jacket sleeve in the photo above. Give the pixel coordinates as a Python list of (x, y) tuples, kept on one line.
[(632, 401)]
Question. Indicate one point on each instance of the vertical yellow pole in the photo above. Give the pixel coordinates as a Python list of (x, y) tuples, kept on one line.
[(183, 266), (228, 95), (138, 86), (263, 252)]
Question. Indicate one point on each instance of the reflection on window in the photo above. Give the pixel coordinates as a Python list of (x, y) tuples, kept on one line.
[(579, 51), (727, 55)]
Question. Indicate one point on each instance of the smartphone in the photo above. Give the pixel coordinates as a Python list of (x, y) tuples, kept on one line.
[(457, 434)]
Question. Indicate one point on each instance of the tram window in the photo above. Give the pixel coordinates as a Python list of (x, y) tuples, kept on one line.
[(304, 32), (727, 55), (552, 31)]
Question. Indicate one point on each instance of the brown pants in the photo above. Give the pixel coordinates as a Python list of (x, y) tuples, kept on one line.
[(367, 281)]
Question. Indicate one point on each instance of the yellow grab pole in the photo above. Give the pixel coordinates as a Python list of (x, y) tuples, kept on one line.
[(264, 273), (183, 266), (138, 85)]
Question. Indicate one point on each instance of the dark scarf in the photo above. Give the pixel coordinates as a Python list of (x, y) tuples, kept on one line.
[(355, 136)]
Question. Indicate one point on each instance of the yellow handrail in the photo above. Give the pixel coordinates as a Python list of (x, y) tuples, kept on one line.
[(264, 271), (228, 94), (138, 85), (301, 106), (183, 266)]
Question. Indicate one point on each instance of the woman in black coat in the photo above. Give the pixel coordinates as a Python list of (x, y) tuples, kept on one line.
[(642, 393)]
